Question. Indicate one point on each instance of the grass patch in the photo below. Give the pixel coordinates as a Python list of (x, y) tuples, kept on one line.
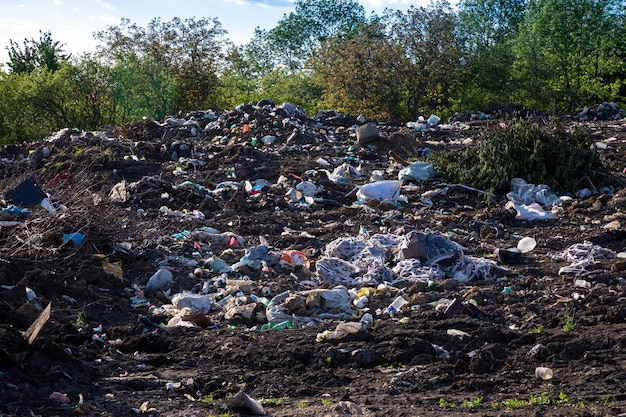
[(570, 324), (274, 400)]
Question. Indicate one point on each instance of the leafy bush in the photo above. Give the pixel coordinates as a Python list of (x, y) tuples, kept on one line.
[(538, 153)]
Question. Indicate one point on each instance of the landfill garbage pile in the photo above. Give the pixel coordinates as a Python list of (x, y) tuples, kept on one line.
[(603, 111), (261, 261)]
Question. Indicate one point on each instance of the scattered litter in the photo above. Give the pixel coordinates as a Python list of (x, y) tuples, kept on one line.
[(342, 330), (416, 172), (526, 244), (524, 194), (581, 255), (532, 211)]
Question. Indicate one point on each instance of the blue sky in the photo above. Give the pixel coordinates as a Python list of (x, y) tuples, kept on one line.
[(73, 22)]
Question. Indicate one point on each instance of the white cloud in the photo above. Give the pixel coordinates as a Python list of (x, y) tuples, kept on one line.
[(58, 2), (76, 9), (106, 5)]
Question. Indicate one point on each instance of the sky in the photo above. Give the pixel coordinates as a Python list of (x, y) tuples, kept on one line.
[(73, 22)]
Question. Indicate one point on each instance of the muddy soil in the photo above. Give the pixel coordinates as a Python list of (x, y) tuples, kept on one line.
[(107, 349)]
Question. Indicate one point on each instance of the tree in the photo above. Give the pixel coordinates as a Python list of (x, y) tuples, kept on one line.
[(192, 51), (299, 33), (486, 28), (567, 52), (369, 78), (141, 87), (295, 87), (428, 38), (91, 89), (44, 53)]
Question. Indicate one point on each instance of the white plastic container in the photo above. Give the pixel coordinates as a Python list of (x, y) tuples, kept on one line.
[(396, 305), (526, 244)]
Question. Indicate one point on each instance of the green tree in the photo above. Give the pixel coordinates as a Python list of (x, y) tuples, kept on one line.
[(91, 92), (239, 82), (141, 87), (192, 50), (44, 53), (567, 52), (429, 40), (295, 87), (369, 79), (301, 32), (486, 28), (35, 104)]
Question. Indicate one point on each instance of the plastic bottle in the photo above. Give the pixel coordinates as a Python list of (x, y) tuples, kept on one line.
[(260, 300), (279, 326)]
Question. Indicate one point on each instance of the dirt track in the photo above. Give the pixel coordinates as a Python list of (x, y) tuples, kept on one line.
[(427, 360)]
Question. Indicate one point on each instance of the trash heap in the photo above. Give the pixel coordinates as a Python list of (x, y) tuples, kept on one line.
[(265, 219), (196, 215)]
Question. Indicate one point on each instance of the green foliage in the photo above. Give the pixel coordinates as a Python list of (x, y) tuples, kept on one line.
[(473, 403), (140, 87), (565, 53), (298, 34), (274, 400), (428, 39), (190, 51), (42, 54), (541, 399), (81, 318), (443, 403), (570, 324), (533, 400), (540, 154), (207, 398), (35, 104), (240, 80), (487, 28), (545, 54), (369, 78), (537, 329), (293, 87)]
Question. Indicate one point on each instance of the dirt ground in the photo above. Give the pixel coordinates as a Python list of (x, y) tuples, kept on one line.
[(107, 349)]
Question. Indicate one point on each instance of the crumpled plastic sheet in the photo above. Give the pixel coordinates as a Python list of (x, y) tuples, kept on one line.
[(532, 211), (430, 248), (336, 270), (386, 240), (468, 268), (355, 261), (524, 193), (376, 271), (334, 305), (358, 260), (345, 247), (380, 190), (417, 171), (343, 173), (582, 255), (412, 270)]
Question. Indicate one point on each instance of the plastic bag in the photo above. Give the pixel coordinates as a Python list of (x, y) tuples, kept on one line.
[(380, 190)]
